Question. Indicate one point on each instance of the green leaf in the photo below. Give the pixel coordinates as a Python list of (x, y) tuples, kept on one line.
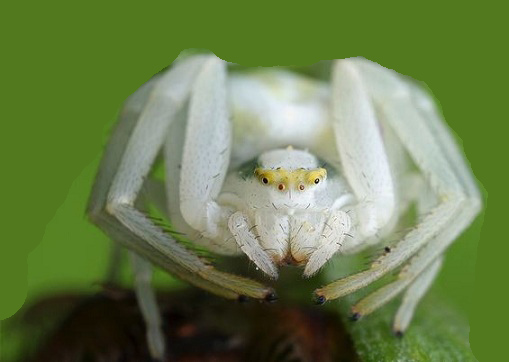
[(438, 332)]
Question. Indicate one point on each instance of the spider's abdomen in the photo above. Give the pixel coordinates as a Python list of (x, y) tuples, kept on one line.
[(274, 108)]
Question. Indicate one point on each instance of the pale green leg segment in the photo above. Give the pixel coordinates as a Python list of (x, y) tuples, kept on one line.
[(134, 144), (413, 295), (148, 305), (411, 115)]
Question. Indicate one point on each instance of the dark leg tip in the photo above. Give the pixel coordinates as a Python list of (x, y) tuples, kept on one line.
[(271, 297), (398, 334), (320, 299), (355, 317), (242, 299)]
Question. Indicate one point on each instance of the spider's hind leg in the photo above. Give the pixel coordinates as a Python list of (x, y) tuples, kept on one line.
[(413, 295)]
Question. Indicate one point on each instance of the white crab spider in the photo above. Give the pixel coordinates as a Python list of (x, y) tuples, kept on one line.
[(287, 170)]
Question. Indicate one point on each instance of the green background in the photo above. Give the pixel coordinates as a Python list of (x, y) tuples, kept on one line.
[(67, 68)]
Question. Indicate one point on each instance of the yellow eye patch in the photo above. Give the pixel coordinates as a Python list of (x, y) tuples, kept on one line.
[(270, 177), (283, 179), (316, 176)]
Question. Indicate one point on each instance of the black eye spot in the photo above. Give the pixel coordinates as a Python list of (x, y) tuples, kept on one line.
[(265, 181), (301, 187), (317, 180)]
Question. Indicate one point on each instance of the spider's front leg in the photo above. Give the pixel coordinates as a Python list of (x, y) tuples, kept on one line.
[(364, 162), (206, 84), (404, 108), (128, 159)]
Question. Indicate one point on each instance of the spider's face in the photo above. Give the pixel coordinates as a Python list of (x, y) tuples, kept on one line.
[(290, 177)]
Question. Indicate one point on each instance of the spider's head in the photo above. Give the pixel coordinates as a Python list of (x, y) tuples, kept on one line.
[(291, 177)]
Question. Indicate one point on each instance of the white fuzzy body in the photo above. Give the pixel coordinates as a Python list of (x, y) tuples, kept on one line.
[(288, 224), (279, 120), (275, 108)]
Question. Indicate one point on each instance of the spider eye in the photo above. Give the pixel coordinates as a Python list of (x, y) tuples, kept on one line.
[(281, 187), (315, 176), (265, 180), (301, 187)]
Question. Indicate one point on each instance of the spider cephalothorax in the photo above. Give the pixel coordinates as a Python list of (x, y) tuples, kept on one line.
[(290, 208)]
